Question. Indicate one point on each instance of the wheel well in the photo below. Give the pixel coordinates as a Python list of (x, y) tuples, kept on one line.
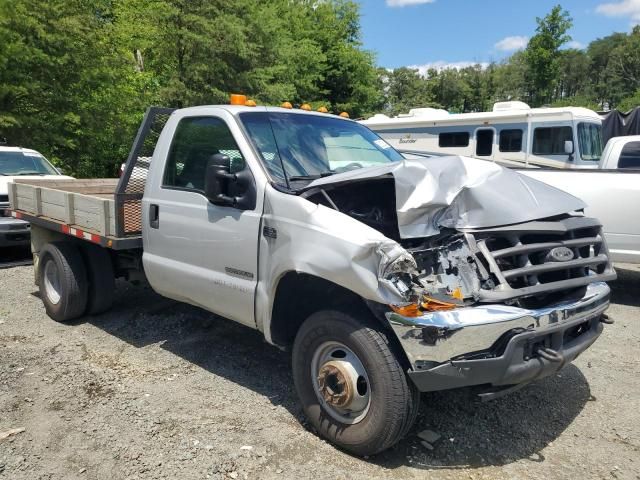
[(299, 295)]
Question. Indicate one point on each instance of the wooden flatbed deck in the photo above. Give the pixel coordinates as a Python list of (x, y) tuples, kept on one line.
[(87, 205)]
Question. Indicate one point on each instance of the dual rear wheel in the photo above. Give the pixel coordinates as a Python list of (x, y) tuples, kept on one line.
[(75, 280)]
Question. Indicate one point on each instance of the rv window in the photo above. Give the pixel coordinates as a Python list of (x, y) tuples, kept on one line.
[(454, 139), (484, 142), (511, 140), (630, 156), (550, 140)]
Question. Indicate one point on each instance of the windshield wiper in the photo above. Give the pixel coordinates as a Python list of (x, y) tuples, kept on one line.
[(311, 177), (30, 173)]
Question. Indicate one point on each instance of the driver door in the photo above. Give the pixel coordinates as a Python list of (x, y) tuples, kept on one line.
[(195, 251)]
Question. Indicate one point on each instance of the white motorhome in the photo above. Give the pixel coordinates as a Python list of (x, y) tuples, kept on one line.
[(513, 134)]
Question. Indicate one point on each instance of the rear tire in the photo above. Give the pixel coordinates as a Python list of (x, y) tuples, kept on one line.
[(356, 341), (63, 281), (101, 278)]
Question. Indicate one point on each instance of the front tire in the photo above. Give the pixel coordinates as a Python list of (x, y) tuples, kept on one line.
[(63, 281), (352, 386)]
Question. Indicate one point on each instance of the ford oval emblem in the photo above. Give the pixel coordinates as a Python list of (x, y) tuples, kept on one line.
[(560, 254)]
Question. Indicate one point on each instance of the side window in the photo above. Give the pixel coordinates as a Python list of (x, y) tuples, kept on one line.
[(630, 156), (454, 139), (195, 140), (511, 140), (550, 140)]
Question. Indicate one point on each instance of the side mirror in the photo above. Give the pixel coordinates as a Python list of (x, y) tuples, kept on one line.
[(568, 147), (217, 179)]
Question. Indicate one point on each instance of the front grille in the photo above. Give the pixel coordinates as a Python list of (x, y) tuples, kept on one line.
[(538, 258)]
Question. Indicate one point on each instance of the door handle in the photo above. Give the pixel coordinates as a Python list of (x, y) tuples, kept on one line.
[(154, 216)]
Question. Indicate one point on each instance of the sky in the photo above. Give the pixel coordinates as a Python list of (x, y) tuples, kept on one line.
[(439, 33)]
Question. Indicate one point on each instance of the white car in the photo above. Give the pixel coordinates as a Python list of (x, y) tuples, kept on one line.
[(23, 163)]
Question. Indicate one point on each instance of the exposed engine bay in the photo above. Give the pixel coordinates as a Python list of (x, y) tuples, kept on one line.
[(439, 269)]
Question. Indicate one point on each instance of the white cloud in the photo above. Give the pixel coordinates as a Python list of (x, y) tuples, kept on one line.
[(623, 8), (442, 65), (575, 44), (511, 44), (406, 3)]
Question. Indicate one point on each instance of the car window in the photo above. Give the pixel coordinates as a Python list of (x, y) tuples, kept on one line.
[(195, 141), (630, 156), (296, 147), (24, 163)]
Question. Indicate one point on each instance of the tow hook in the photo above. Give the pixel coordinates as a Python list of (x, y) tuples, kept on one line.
[(606, 319), (550, 355)]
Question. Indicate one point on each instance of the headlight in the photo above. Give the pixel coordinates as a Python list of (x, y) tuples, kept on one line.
[(394, 260)]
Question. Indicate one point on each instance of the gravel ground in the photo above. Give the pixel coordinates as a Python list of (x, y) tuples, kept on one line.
[(154, 389)]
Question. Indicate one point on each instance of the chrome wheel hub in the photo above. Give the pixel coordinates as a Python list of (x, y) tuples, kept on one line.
[(51, 282), (341, 382)]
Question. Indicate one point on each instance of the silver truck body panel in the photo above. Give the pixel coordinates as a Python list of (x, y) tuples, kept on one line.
[(316, 240)]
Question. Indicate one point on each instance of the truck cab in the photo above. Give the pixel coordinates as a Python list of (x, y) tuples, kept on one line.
[(383, 276), (621, 153)]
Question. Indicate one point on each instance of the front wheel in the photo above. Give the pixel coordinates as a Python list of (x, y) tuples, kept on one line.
[(352, 387)]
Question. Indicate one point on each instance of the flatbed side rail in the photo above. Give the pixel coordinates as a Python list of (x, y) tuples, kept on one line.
[(106, 241), (128, 195)]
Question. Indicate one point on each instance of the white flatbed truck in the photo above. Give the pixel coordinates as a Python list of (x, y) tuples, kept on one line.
[(384, 276)]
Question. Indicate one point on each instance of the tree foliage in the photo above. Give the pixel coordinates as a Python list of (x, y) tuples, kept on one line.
[(77, 75)]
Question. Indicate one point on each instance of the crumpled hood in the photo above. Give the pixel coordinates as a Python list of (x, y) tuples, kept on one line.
[(460, 192)]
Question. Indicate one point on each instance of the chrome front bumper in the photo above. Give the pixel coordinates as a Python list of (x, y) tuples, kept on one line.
[(439, 337)]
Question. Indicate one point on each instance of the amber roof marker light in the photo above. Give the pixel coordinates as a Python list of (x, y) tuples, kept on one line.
[(306, 107), (344, 115), (237, 99), (286, 105)]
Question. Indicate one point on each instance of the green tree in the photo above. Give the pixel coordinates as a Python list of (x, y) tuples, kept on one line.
[(543, 54), (61, 89), (405, 89)]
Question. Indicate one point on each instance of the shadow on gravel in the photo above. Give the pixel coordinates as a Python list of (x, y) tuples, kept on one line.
[(499, 432), (625, 289), (495, 433), (15, 256)]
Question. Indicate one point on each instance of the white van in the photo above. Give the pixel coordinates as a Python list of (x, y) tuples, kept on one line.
[(513, 134)]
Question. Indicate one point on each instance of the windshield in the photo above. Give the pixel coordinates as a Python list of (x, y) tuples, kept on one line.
[(296, 147), (25, 163), (590, 140)]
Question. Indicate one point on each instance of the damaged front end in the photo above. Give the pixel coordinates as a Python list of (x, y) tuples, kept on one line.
[(473, 318), (500, 281)]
